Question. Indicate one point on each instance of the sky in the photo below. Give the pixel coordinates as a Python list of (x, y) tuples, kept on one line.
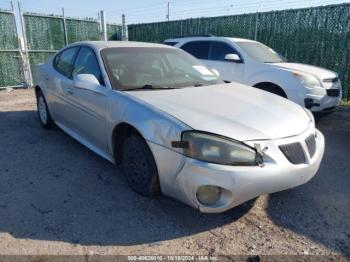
[(143, 11)]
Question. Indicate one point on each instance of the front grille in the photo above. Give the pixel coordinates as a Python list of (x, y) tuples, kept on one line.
[(294, 153), (311, 145), (333, 92)]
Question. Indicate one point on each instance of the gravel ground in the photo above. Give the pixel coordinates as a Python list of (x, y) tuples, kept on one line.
[(57, 197)]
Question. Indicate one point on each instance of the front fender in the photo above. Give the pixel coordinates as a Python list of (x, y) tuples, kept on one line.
[(153, 124), (280, 77)]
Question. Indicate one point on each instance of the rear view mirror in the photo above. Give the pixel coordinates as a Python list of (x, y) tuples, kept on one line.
[(233, 58)]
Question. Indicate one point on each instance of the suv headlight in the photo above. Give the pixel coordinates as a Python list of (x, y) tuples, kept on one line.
[(307, 80), (219, 150)]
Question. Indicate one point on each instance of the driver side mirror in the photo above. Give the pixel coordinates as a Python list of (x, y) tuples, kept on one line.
[(86, 81), (233, 58)]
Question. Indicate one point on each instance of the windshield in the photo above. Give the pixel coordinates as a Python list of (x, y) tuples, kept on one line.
[(132, 68), (260, 52)]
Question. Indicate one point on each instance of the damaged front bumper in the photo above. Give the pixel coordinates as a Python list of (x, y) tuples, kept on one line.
[(181, 177)]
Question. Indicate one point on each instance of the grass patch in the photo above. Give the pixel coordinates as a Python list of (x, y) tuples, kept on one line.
[(345, 102)]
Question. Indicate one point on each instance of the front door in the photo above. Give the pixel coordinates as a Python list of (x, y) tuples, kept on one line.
[(229, 70), (90, 105)]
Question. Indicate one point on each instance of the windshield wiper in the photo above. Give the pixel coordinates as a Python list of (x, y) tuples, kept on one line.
[(148, 87)]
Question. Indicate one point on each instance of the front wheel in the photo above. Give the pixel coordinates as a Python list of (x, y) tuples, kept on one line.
[(43, 111), (140, 167), (271, 88)]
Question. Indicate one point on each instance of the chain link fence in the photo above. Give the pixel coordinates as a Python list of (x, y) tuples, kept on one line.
[(44, 36), (318, 36)]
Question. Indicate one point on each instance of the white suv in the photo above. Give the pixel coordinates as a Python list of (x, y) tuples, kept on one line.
[(254, 64)]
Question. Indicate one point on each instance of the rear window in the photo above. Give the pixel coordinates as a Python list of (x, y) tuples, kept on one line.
[(199, 49)]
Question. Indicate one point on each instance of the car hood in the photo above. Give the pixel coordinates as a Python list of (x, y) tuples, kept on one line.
[(319, 72), (232, 110)]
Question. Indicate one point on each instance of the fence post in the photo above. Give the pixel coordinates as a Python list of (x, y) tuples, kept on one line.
[(64, 28), (257, 21), (20, 57), (125, 36), (103, 24), (168, 12), (26, 61), (256, 26)]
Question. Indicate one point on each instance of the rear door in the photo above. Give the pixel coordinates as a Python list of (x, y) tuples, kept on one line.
[(199, 49)]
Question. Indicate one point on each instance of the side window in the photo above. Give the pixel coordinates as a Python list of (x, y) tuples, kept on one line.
[(55, 60), (86, 63), (219, 50), (199, 49), (65, 60)]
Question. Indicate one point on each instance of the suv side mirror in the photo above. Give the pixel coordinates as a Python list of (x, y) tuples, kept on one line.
[(86, 81), (233, 58)]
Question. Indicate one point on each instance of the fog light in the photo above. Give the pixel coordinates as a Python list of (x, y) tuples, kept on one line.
[(208, 195)]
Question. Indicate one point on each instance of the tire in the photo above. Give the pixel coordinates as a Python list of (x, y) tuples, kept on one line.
[(140, 167), (272, 89), (43, 111)]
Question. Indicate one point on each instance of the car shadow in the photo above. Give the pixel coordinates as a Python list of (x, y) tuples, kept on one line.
[(53, 188), (320, 209)]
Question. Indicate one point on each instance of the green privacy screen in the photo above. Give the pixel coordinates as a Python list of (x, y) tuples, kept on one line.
[(46, 33), (9, 58), (10, 69), (114, 32), (318, 36), (80, 30), (8, 34)]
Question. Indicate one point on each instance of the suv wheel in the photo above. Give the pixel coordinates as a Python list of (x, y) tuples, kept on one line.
[(274, 89)]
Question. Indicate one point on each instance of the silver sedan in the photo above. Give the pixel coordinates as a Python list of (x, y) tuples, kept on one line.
[(174, 126)]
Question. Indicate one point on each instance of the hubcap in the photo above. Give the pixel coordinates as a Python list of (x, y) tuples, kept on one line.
[(42, 110)]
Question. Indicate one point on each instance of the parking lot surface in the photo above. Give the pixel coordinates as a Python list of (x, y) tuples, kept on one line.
[(58, 197)]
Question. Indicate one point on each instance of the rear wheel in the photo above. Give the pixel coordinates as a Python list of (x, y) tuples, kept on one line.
[(140, 167), (43, 111)]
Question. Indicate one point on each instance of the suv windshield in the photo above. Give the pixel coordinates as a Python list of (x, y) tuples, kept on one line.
[(147, 68), (260, 52)]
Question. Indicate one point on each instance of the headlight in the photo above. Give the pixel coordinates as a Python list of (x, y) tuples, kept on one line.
[(216, 149), (307, 80), (311, 116)]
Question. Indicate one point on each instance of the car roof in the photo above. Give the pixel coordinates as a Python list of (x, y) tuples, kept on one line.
[(196, 38), (111, 44)]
